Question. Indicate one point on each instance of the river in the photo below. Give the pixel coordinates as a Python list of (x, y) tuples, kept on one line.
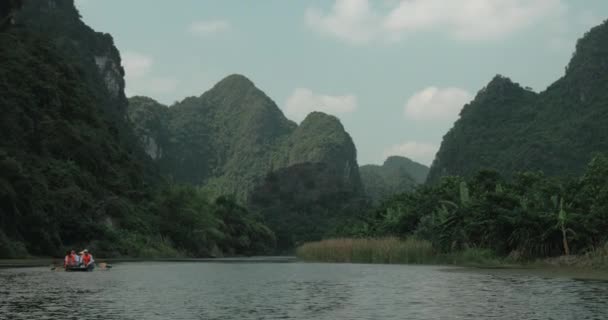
[(149, 290)]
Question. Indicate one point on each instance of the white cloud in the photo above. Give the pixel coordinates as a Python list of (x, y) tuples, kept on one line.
[(138, 67), (417, 151), (351, 20), (435, 103), (357, 22), (303, 101), (210, 27)]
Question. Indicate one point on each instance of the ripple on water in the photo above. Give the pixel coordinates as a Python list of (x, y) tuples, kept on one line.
[(293, 291)]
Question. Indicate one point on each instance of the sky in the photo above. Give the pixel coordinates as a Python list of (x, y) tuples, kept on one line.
[(395, 72)]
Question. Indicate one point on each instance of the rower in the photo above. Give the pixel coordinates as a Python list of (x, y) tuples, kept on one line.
[(87, 259)]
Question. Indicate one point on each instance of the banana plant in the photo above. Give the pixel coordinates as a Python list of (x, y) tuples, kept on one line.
[(453, 224), (563, 220)]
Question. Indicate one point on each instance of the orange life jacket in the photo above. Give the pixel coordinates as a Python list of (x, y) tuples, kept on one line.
[(69, 260), (86, 258)]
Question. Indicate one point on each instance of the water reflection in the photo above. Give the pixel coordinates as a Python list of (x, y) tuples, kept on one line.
[(294, 291)]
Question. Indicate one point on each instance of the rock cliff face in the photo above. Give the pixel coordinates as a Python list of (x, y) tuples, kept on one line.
[(150, 122), (510, 129), (230, 137), (92, 52)]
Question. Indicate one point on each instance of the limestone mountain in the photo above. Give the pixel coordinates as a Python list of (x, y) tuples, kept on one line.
[(321, 138), (94, 53), (510, 128), (69, 167), (230, 137), (396, 175)]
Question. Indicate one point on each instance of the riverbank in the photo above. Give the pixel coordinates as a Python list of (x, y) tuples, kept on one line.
[(412, 251), (43, 262)]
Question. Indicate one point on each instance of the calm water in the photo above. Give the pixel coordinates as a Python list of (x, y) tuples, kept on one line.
[(293, 291)]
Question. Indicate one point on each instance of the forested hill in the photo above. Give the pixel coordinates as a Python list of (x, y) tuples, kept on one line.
[(69, 166), (510, 128), (396, 175), (230, 137), (72, 171)]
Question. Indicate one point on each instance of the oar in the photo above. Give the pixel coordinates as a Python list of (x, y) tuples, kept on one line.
[(56, 268)]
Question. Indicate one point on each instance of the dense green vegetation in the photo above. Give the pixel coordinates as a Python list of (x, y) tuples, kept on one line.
[(510, 128), (186, 219), (302, 180), (527, 216), (305, 202), (72, 172), (62, 163), (226, 173), (396, 175), (206, 140)]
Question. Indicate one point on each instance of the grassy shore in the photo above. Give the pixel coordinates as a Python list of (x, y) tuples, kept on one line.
[(413, 251), (388, 250)]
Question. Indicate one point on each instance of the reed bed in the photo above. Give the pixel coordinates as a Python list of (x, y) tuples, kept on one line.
[(384, 250), (595, 259)]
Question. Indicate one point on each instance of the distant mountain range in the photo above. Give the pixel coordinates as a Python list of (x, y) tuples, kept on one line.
[(233, 135), (510, 128), (396, 175), (80, 164)]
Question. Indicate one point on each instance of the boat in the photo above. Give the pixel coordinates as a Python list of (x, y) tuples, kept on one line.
[(79, 268), (101, 266)]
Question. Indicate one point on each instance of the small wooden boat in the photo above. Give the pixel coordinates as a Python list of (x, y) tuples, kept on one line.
[(80, 268), (101, 266)]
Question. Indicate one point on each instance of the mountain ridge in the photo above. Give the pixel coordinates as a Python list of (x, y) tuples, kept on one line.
[(557, 131), (232, 135), (396, 175)]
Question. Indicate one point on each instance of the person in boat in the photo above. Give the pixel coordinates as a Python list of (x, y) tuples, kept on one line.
[(70, 259), (87, 259), (66, 260), (79, 259)]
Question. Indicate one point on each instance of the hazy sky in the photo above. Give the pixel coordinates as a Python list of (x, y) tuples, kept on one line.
[(396, 72)]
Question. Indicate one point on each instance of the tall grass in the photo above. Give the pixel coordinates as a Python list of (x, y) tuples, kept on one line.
[(391, 250), (386, 250), (598, 258)]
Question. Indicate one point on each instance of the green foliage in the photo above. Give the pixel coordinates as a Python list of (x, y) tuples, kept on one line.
[(396, 175), (529, 216), (206, 140), (305, 202), (195, 225), (73, 174), (59, 156), (511, 129)]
